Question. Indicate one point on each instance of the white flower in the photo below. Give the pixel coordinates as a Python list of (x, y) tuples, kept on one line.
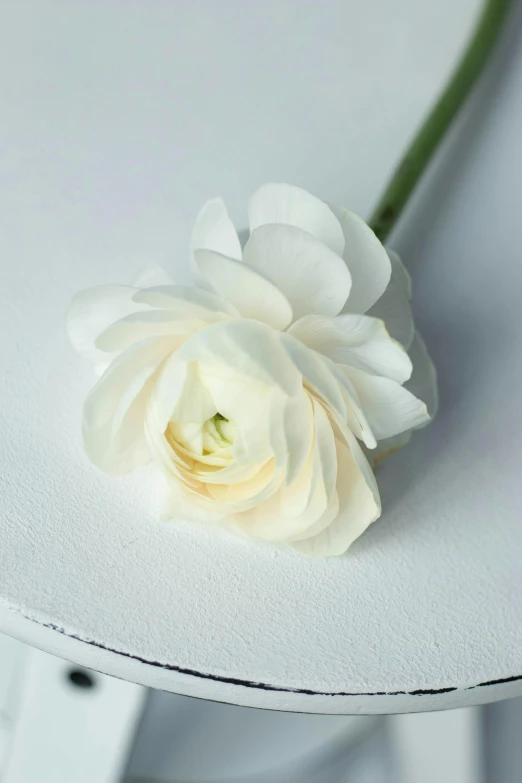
[(259, 391)]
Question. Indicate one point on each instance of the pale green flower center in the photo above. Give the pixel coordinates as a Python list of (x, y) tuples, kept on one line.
[(215, 436), (218, 433)]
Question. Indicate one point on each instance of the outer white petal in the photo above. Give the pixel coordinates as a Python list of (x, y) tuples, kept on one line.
[(288, 430), (423, 384), (387, 447), (93, 310), (177, 505), (114, 411), (394, 305), (291, 509), (246, 349), (159, 408), (364, 467), (230, 474), (296, 507), (316, 373), (356, 340), (214, 230), (311, 507), (265, 480), (185, 302), (366, 259), (139, 326), (353, 330), (313, 278), (267, 521), (325, 449), (355, 420), (251, 294), (324, 521), (400, 273), (180, 395), (240, 498), (389, 408), (359, 505), (297, 431), (423, 381), (150, 275), (293, 206)]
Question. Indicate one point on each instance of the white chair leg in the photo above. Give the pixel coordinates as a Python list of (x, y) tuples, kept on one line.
[(12, 662), (72, 724), (438, 747)]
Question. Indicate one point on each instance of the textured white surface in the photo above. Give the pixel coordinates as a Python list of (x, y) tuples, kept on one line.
[(117, 124)]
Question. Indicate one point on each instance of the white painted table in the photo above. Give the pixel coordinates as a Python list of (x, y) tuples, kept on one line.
[(118, 120)]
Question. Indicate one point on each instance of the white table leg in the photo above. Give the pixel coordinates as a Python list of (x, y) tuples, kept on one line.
[(438, 747), (68, 732), (12, 661)]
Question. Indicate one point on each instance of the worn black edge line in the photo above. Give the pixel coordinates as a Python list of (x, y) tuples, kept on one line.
[(261, 685), (495, 682), (234, 680)]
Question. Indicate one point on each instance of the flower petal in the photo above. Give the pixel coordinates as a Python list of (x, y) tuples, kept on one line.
[(296, 430), (195, 403), (266, 520), (296, 507), (423, 384), (139, 326), (311, 276), (194, 476), (93, 310), (355, 420), (385, 448), (394, 305), (423, 381), (253, 490), (316, 373), (356, 340), (389, 408), (247, 349), (220, 498), (293, 206), (326, 519), (177, 505), (325, 449), (213, 230), (252, 493), (251, 294), (185, 302), (400, 273), (359, 505), (366, 259), (152, 274), (114, 411)]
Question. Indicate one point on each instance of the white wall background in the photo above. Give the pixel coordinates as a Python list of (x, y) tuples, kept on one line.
[(119, 119)]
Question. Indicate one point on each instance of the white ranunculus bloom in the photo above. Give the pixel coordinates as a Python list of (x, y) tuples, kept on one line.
[(261, 391)]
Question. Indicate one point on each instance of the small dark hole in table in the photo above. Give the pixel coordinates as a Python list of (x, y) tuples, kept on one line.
[(80, 678)]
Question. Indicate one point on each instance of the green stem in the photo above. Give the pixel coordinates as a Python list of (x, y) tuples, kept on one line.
[(426, 141)]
